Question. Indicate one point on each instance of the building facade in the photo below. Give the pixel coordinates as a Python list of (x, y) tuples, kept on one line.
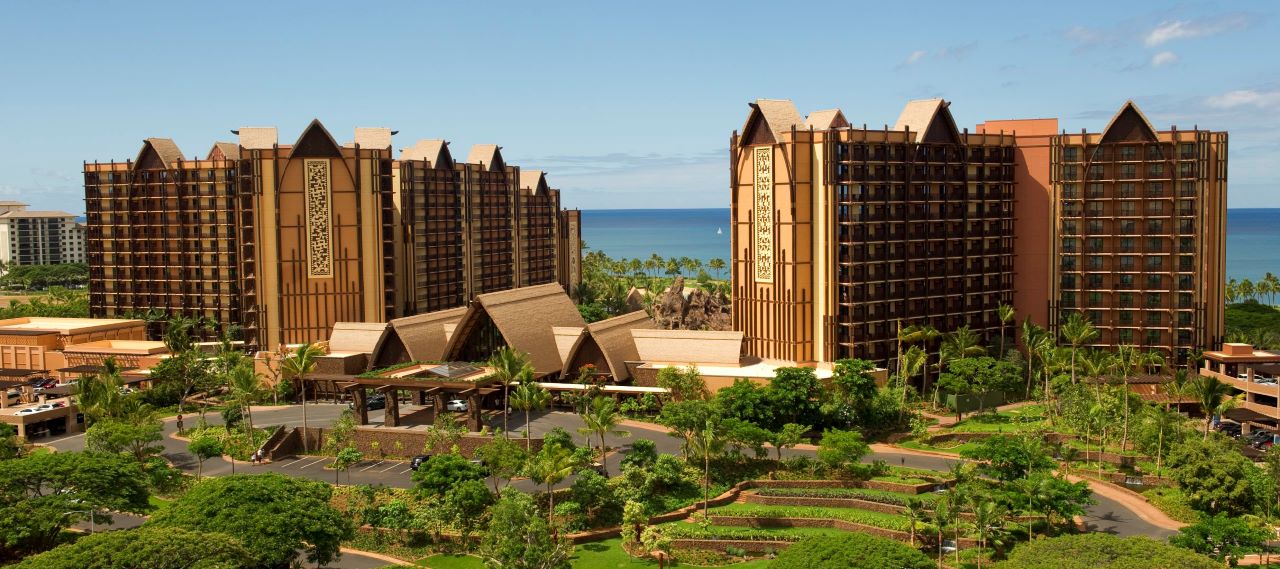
[(286, 240), (39, 237), (843, 234)]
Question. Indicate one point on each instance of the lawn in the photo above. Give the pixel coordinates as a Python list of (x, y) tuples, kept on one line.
[(601, 554), (855, 515), (1012, 421), (158, 504), (947, 447)]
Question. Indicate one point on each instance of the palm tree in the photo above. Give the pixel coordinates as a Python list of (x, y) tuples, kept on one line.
[(965, 342), (706, 442), (913, 364), (1006, 314), (1163, 420), (985, 516), (601, 418), (1273, 283), (553, 464), (246, 386), (944, 516), (98, 395), (1077, 331), (1126, 361), (177, 334), (915, 513), (717, 265), (296, 366), (1247, 290), (529, 396), (1214, 398), (1232, 291), (508, 364)]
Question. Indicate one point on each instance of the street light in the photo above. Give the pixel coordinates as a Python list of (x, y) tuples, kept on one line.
[(90, 512)]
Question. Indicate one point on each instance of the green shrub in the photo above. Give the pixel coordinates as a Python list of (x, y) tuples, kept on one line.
[(1173, 503), (880, 496), (1098, 550), (850, 550)]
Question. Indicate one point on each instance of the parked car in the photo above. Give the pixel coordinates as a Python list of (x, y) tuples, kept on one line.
[(417, 461), (457, 405), (375, 402), (58, 404), (27, 411)]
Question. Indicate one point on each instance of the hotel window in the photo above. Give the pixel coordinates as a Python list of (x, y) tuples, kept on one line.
[(1095, 316), (1155, 170), (1155, 282), (1126, 244), (1186, 245), (1070, 191), (1069, 299), (1126, 317), (1126, 208), (1069, 245), (1188, 150), (1069, 228), (1184, 282), (1128, 227), (1153, 300), (1125, 335), (1126, 300), (1068, 281), (1186, 262), (1128, 153), (1071, 154), (1155, 263), (1153, 337), (1095, 299), (1095, 209), (1126, 263), (1070, 172), (1128, 171), (1184, 300), (1125, 281), (1155, 208), (1184, 337), (1155, 245), (1186, 207), (1096, 172), (1184, 318), (1155, 226), (1186, 169), (1068, 263), (1188, 190), (1127, 189), (1095, 244), (1095, 263), (1155, 189), (1095, 190), (1186, 226), (1095, 281)]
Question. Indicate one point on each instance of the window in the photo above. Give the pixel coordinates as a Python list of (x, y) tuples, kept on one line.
[(1128, 153), (1155, 245), (1068, 281), (1184, 282), (1126, 208), (1155, 189), (1126, 300), (1096, 191), (1095, 209), (1153, 337), (1126, 244), (1069, 228), (1095, 245), (1153, 318), (1155, 226), (1154, 152), (1070, 172), (1068, 263), (1126, 317), (1186, 245), (1128, 227), (1155, 263), (1188, 190), (1126, 263), (1095, 316), (1126, 281), (1188, 150), (1186, 262), (1186, 226), (1070, 191), (1095, 299), (1095, 263), (1184, 318), (1126, 190), (1184, 337), (1071, 154), (1184, 300), (1096, 172), (1069, 299), (1155, 171), (1155, 208), (1125, 336), (1154, 281), (1095, 281), (1069, 245), (1096, 226)]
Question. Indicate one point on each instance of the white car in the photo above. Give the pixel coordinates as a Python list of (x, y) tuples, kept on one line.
[(456, 405)]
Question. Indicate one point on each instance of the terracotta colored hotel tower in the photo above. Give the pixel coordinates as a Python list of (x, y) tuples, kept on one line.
[(286, 240), (841, 234)]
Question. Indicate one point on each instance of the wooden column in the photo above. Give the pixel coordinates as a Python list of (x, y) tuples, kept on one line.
[(391, 415), (361, 403)]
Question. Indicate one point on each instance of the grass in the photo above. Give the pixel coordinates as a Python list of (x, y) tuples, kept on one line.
[(1173, 503), (158, 504), (855, 515), (607, 554), (1012, 421), (951, 447)]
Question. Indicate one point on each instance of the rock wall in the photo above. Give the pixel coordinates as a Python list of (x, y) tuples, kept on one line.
[(700, 310)]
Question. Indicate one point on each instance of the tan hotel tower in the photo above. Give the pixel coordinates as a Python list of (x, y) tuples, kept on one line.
[(286, 240), (841, 233)]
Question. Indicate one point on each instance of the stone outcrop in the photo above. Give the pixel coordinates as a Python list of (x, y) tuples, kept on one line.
[(696, 309)]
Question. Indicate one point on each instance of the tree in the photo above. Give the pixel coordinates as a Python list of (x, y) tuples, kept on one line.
[(717, 265), (466, 504), (986, 515), (685, 419), (135, 439), (915, 513), (1035, 341), (273, 515), (518, 538), (510, 365), (683, 383), (1221, 537), (788, 437), (1126, 360), (1009, 458), (839, 449), (204, 447), (1214, 476), (1214, 398), (246, 388), (706, 443), (794, 393), (1006, 314), (154, 548), (745, 400), (551, 466), (850, 550), (38, 490), (529, 396), (443, 471), (853, 387), (503, 458), (1102, 550), (1077, 331), (601, 418), (296, 366), (346, 458)]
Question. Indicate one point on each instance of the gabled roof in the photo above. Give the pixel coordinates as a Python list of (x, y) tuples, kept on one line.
[(929, 121), (359, 337), (417, 338), (1129, 125), (373, 137), (435, 151), (487, 154), (316, 142), (258, 137), (524, 317), (224, 151), (158, 153), (826, 119), (688, 346), (534, 181), (609, 342), (769, 118)]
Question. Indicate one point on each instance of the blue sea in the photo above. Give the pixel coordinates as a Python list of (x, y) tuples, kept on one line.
[(1253, 236)]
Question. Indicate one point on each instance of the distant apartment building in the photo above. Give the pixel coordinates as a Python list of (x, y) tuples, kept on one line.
[(843, 233), (39, 237), (286, 240)]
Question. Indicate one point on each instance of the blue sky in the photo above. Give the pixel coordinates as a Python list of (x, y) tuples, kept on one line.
[(624, 104)]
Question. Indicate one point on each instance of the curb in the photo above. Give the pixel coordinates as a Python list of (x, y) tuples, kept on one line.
[(378, 556)]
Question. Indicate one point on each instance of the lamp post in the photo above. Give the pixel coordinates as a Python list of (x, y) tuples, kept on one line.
[(90, 512)]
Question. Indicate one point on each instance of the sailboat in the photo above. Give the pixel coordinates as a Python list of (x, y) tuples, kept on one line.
[(719, 231)]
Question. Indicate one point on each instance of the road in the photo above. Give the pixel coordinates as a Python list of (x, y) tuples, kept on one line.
[(1107, 515)]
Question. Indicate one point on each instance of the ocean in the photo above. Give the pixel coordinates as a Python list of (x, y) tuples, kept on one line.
[(1253, 236)]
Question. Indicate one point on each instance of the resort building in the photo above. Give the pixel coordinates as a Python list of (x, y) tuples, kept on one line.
[(1253, 374), (39, 237), (287, 240), (843, 234)]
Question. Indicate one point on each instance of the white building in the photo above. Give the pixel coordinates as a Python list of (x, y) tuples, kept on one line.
[(39, 237)]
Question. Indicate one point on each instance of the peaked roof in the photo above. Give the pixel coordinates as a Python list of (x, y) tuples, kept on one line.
[(373, 137), (158, 153), (417, 338), (826, 119), (434, 151), (777, 115), (224, 151), (929, 121), (359, 337), (486, 154), (535, 181), (315, 141), (258, 137), (524, 317), (611, 341), (1129, 125)]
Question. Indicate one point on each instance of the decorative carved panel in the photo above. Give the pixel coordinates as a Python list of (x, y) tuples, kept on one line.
[(762, 225), (575, 252), (319, 226)]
